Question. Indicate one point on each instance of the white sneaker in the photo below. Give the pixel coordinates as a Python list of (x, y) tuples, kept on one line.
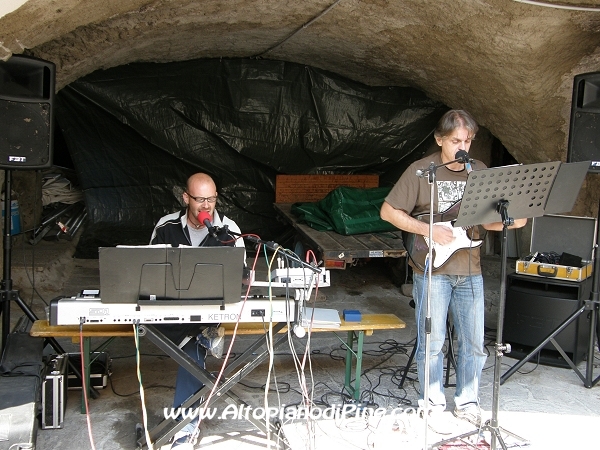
[(183, 439), (180, 441), (440, 423), (471, 413), (212, 338)]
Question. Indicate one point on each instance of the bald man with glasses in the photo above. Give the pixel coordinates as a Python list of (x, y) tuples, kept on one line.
[(184, 228)]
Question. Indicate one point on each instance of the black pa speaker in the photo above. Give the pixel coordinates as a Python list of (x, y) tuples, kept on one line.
[(26, 113), (535, 307), (584, 131)]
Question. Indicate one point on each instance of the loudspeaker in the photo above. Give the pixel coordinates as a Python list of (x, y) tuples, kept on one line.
[(535, 307), (584, 131), (26, 113)]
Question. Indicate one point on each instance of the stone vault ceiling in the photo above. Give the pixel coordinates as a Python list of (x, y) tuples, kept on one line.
[(510, 63)]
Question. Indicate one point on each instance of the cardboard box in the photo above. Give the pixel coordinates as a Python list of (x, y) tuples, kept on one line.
[(561, 234)]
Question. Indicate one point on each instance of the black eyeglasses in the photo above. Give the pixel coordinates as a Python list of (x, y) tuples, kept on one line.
[(203, 199)]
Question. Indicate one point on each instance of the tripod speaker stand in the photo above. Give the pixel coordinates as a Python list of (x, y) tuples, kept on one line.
[(529, 191), (8, 294)]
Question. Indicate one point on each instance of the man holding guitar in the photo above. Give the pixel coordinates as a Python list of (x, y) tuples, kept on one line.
[(457, 284)]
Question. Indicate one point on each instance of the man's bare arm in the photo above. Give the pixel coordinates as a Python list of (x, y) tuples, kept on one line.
[(497, 226)]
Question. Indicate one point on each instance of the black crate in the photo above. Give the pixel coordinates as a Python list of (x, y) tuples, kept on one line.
[(100, 370)]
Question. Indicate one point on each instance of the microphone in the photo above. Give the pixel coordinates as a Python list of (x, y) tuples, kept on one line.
[(204, 217), (463, 157)]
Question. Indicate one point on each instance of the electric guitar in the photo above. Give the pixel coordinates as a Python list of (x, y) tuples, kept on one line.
[(417, 246)]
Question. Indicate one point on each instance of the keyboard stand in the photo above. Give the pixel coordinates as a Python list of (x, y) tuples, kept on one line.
[(236, 371)]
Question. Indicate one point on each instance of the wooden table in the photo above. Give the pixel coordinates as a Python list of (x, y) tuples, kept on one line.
[(356, 331)]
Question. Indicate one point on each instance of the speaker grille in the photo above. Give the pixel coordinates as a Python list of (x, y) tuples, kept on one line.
[(584, 132), (26, 113), (25, 134)]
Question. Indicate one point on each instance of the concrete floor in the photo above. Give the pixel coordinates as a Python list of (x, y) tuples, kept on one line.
[(546, 405)]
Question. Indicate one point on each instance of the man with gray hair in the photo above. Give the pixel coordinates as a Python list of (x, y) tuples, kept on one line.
[(457, 284)]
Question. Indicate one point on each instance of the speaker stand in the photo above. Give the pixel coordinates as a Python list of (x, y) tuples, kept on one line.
[(8, 294)]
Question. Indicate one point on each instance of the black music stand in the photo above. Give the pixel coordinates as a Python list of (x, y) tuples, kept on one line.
[(530, 191)]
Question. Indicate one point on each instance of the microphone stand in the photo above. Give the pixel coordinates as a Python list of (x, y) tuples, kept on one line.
[(271, 245), (430, 172)]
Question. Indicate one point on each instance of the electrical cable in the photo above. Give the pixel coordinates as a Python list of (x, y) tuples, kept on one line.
[(131, 394), (196, 432), (269, 334), (297, 30), (307, 396), (84, 387), (149, 443), (31, 281)]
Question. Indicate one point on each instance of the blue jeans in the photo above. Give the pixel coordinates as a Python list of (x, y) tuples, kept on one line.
[(463, 296), (186, 384)]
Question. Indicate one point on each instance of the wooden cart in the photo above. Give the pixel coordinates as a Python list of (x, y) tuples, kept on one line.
[(335, 250)]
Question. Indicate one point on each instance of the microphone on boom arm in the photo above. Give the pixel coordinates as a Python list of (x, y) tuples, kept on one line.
[(463, 157), (204, 218)]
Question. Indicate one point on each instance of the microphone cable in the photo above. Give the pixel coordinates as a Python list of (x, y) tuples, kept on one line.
[(196, 432), (139, 376), (84, 385)]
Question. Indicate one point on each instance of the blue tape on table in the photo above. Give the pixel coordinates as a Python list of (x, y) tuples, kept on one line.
[(352, 315)]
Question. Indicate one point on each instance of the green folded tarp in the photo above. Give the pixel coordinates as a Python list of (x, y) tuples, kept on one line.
[(346, 210)]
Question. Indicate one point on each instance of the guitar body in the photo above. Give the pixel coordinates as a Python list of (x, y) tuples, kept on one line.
[(417, 246)]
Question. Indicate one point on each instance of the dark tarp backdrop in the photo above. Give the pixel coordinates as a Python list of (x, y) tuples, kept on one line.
[(136, 132)]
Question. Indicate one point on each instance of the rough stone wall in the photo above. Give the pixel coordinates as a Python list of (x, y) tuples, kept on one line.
[(510, 64)]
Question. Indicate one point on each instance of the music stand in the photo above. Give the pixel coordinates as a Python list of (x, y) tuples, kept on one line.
[(529, 191)]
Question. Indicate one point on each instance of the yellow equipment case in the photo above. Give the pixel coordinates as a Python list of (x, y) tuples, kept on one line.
[(561, 247)]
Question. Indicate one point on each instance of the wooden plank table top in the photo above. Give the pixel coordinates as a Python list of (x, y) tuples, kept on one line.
[(369, 323), (41, 328)]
